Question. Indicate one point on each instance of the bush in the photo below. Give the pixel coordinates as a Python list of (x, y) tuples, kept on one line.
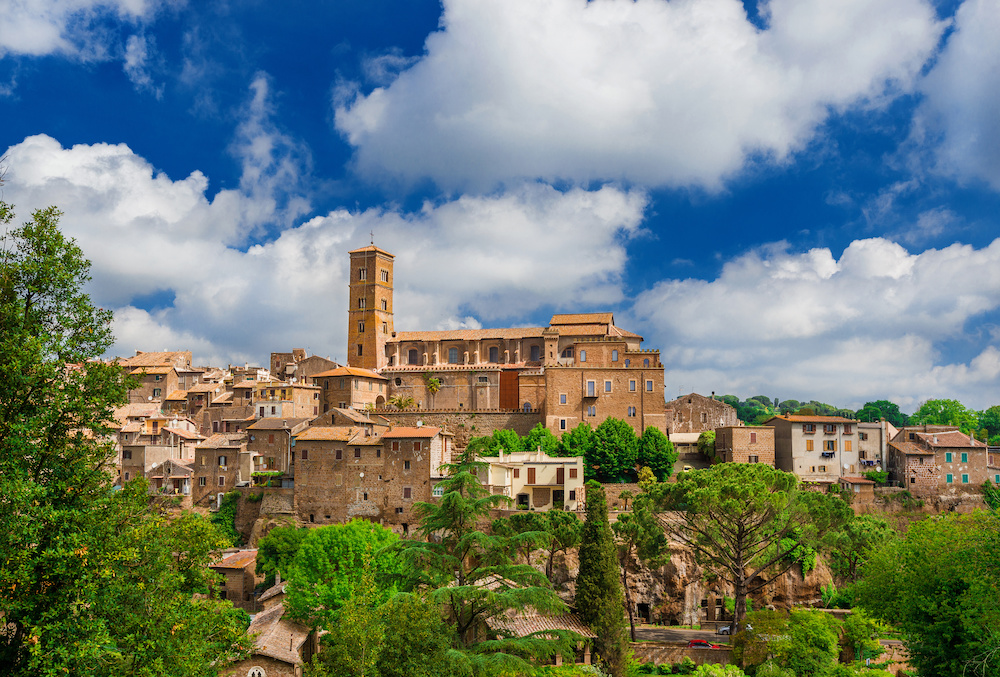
[(225, 517), (255, 498)]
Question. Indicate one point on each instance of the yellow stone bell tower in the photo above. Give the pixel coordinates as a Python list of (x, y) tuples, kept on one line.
[(369, 315)]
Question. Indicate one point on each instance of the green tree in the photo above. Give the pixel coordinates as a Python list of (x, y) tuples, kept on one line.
[(640, 539), (195, 540), (277, 550), (945, 412), (613, 452), (89, 581), (541, 437), (744, 520), (599, 597), (563, 530), (940, 585), (578, 441), (417, 641), (656, 452), (990, 420), (706, 444), (852, 543), (328, 565), (470, 574), (879, 409)]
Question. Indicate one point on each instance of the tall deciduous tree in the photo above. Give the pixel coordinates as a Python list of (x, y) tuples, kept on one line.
[(613, 452), (853, 543), (879, 409), (945, 412), (744, 520), (599, 597), (657, 453), (640, 539), (89, 584)]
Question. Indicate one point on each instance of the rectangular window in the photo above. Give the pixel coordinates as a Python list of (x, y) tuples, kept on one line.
[(572, 473), (809, 445), (847, 428), (531, 475), (406, 465), (847, 445), (631, 411), (562, 424), (357, 452), (339, 454), (156, 392), (583, 355), (407, 492), (361, 327), (395, 445), (614, 355), (829, 428), (305, 454), (361, 350), (947, 457), (494, 354), (591, 389), (222, 461), (649, 386), (965, 457), (822, 468), (417, 446), (753, 438), (361, 303), (808, 427), (562, 398), (517, 473), (222, 481), (362, 274), (202, 481), (572, 494), (127, 454), (385, 327), (862, 436), (607, 386), (592, 411), (829, 445), (948, 478), (965, 479), (631, 386), (753, 459)]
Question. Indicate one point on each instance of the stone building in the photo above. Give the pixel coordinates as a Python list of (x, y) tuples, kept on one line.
[(351, 387), (221, 462), (694, 413), (269, 443), (286, 400), (160, 374), (296, 367), (934, 460), (581, 367), (239, 578), (745, 444), (819, 449)]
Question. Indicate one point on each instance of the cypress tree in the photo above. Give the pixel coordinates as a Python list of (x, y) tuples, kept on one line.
[(599, 598)]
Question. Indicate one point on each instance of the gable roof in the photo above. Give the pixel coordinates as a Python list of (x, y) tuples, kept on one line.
[(407, 432), (236, 560), (951, 439), (794, 418), (349, 371), (327, 434), (582, 318), (276, 423), (278, 637), (222, 441)]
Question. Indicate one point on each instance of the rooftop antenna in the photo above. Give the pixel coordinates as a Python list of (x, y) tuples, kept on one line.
[(372, 233)]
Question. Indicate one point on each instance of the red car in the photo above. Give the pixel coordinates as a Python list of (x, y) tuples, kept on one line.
[(702, 644)]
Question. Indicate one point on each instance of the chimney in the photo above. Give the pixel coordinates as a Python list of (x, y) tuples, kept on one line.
[(935, 440)]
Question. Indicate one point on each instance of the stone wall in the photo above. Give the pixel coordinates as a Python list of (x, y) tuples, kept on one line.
[(465, 425), (271, 667), (613, 493), (670, 653)]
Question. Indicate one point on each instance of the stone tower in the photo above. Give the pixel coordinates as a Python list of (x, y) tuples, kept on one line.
[(369, 315)]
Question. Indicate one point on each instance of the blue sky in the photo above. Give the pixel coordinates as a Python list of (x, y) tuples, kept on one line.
[(795, 198)]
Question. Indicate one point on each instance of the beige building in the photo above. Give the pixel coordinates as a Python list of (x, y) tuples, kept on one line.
[(286, 400), (160, 374), (745, 444), (818, 449), (269, 442), (533, 480)]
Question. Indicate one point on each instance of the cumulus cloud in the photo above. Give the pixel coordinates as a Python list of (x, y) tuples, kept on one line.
[(139, 51), (662, 93), (148, 234), (73, 28), (861, 327), (962, 95)]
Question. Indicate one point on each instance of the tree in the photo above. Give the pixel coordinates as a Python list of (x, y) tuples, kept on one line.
[(851, 545), (578, 441), (640, 538), (990, 420), (940, 585), (90, 584), (563, 530), (599, 597), (613, 452), (327, 568), (277, 550), (417, 642), (656, 452), (879, 409), (743, 521), (541, 437), (706, 444), (945, 412), (471, 576)]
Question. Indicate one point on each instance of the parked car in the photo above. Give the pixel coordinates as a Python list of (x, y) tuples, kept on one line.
[(727, 629), (702, 644)]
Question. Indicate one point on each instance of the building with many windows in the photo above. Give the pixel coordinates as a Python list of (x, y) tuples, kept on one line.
[(818, 449)]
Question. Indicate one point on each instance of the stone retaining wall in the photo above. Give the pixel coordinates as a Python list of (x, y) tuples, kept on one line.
[(671, 652), (464, 424)]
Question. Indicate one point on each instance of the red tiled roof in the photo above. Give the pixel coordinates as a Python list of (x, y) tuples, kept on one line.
[(582, 318), (467, 334), (205, 387), (349, 371), (150, 359), (908, 447), (237, 560), (186, 434), (372, 248), (152, 370), (952, 438), (330, 434), (406, 432), (794, 418), (856, 480), (222, 440), (176, 395), (521, 624)]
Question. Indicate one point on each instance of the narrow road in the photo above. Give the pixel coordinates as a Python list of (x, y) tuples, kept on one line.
[(666, 633)]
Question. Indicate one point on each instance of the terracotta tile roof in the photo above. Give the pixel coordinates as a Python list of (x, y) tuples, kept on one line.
[(400, 432), (521, 624), (856, 480), (227, 396), (812, 419), (176, 395), (205, 387), (582, 318), (907, 447), (467, 334), (246, 384), (222, 441), (138, 410), (132, 427), (356, 416), (278, 637), (277, 423), (348, 371), (372, 248), (952, 438), (237, 560), (150, 359), (330, 434), (273, 591), (152, 370), (618, 331), (181, 432)]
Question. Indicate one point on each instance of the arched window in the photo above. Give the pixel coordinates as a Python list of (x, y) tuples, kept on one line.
[(413, 357), (527, 407), (452, 355), (645, 362)]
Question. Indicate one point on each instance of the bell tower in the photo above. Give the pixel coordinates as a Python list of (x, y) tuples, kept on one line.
[(369, 315)]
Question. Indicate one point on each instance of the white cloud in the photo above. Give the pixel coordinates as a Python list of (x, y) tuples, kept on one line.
[(68, 27), (962, 96), (484, 257), (674, 93), (139, 50), (803, 325)]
